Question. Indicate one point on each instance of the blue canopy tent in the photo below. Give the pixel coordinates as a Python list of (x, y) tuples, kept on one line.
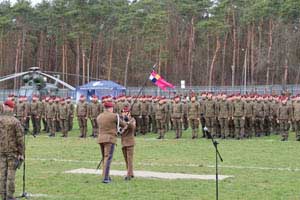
[(100, 88)]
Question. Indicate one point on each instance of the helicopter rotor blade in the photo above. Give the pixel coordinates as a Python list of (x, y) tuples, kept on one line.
[(58, 80), (5, 78)]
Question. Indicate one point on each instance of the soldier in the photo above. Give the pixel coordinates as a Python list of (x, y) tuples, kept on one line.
[(202, 118), (223, 116), (194, 116), (71, 113), (136, 113), (274, 109), (63, 115), (145, 108), (128, 142), (21, 111), (94, 111), (27, 120), (57, 122), (107, 138), (249, 117), (267, 120), (258, 112), (296, 117), (152, 122), (50, 114), (161, 117), (185, 120), (239, 117), (44, 120), (231, 100), (177, 116), (284, 118), (169, 122), (82, 115), (210, 114), (11, 150), (35, 115)]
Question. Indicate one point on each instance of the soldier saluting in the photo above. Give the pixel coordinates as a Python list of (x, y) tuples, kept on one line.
[(11, 150), (107, 137)]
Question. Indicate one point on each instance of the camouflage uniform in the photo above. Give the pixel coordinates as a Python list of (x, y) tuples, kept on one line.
[(258, 112), (95, 109), (35, 117), (177, 118), (82, 115), (71, 114), (152, 117), (194, 117), (63, 115), (185, 120), (50, 114), (284, 117), (145, 108), (274, 110), (202, 117), (296, 118), (21, 112), (136, 114), (210, 115), (249, 128), (11, 146), (161, 117), (57, 122), (239, 118), (223, 116), (267, 120)]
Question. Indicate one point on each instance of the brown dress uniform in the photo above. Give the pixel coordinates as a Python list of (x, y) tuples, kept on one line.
[(82, 115), (107, 138), (128, 143), (11, 146)]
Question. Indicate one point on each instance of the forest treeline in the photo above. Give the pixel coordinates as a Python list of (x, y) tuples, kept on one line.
[(204, 42)]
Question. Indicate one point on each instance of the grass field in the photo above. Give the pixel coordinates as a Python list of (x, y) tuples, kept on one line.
[(263, 168)]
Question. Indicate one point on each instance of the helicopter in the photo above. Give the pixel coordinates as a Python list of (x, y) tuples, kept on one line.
[(35, 83)]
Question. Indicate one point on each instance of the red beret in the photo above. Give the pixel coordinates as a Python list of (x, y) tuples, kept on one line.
[(82, 96), (108, 104), (126, 109), (9, 103)]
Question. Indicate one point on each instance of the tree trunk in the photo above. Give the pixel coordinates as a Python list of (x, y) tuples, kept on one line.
[(110, 58), (213, 62), (234, 50), (78, 60), (190, 55), (127, 62), (17, 57), (269, 50), (224, 60)]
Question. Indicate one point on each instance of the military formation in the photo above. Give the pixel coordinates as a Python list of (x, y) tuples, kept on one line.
[(226, 116)]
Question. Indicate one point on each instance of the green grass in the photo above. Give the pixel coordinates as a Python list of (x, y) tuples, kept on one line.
[(242, 159)]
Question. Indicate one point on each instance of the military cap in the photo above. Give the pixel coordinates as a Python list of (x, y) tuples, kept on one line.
[(9, 103), (108, 104)]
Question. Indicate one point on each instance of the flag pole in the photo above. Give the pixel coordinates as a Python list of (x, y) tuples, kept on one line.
[(142, 88)]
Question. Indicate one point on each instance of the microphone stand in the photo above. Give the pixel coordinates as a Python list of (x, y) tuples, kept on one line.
[(218, 156)]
